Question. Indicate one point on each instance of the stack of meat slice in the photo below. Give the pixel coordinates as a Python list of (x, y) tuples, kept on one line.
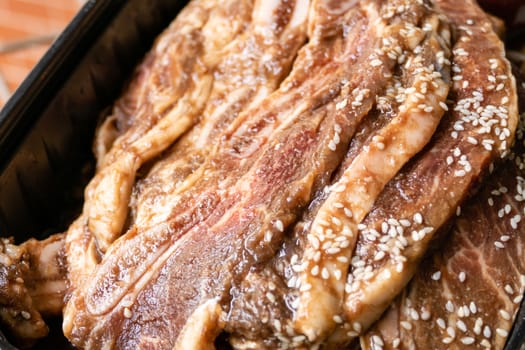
[(276, 171)]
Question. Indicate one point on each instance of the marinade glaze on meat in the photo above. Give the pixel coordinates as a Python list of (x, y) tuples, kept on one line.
[(276, 170)]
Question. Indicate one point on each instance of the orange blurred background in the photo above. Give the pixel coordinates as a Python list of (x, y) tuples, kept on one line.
[(27, 28)]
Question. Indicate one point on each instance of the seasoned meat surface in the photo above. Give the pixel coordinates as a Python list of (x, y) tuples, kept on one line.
[(466, 294), (33, 283), (272, 207), (273, 175)]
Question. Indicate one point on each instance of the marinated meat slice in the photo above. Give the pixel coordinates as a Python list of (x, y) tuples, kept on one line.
[(466, 294), (17, 312), (32, 283), (178, 75), (262, 296), (278, 16), (424, 195), (242, 196), (266, 169), (354, 193), (253, 67)]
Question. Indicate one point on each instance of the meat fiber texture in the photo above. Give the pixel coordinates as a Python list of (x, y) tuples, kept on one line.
[(275, 172)]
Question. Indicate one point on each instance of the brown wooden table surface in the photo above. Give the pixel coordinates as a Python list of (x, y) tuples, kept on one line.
[(27, 28)]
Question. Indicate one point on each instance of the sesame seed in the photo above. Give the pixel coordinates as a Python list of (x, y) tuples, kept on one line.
[(270, 297), (498, 244), (414, 315), (451, 332), (487, 333), (449, 306), (337, 319), (377, 340), (467, 340), (336, 138), (462, 276), (376, 62), (127, 313), (279, 225), (504, 314), (418, 218), (447, 340), (406, 325), (333, 250), (298, 338), (26, 315), (305, 287), (425, 314), (404, 222), (341, 104), (441, 323), (461, 325), (472, 140), (379, 255), (473, 307), (324, 273), (501, 332), (396, 342), (314, 271), (477, 326)]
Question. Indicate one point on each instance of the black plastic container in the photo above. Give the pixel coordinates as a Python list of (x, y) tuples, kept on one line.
[(47, 127)]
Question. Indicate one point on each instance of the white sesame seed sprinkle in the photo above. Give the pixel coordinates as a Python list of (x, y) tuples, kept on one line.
[(396, 342), (487, 333), (447, 340), (504, 314), (467, 340), (406, 325), (451, 332), (270, 297), (477, 326), (338, 319), (441, 323), (473, 307), (461, 326), (324, 273), (501, 332), (462, 276), (449, 306)]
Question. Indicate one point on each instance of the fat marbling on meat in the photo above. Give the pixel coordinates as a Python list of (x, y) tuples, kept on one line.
[(275, 171), (466, 294)]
